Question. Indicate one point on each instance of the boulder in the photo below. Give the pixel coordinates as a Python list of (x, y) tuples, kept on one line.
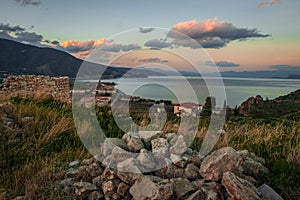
[(110, 143), (96, 195), (239, 188), (82, 188), (179, 147), (128, 171), (220, 161), (74, 163), (160, 146), (135, 144), (123, 190), (182, 187), (268, 193), (108, 174), (146, 161), (198, 195), (191, 171), (151, 187)]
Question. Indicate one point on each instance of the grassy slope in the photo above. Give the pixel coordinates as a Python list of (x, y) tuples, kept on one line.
[(33, 162)]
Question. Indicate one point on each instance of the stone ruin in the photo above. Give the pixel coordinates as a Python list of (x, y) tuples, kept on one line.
[(37, 86), (223, 174)]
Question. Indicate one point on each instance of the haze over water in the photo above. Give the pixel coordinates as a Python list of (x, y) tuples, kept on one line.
[(237, 89)]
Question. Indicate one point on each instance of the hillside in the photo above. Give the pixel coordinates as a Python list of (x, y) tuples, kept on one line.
[(287, 106), (17, 58)]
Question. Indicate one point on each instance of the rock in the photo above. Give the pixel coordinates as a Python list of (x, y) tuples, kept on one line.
[(197, 184), (170, 171), (119, 155), (128, 171), (27, 119), (179, 147), (8, 108), (198, 195), (239, 188), (135, 144), (64, 183), (81, 188), (170, 136), (160, 146), (150, 187), (178, 160), (191, 171), (219, 162), (74, 163), (110, 143), (268, 193), (147, 161), (94, 170), (182, 187), (88, 161), (123, 190), (20, 198), (108, 187), (71, 172), (95, 195), (253, 168), (97, 181), (109, 174)]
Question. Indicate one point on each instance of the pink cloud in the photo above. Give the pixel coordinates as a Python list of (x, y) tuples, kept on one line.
[(275, 2), (262, 4)]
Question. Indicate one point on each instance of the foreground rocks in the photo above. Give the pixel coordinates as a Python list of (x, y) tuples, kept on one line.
[(179, 172)]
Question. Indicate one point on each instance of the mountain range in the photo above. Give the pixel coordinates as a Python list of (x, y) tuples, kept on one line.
[(18, 58)]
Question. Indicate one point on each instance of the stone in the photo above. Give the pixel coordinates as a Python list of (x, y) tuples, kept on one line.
[(191, 171), (64, 183), (170, 171), (151, 187), (110, 143), (146, 161), (160, 146), (220, 161), (123, 190), (238, 188), (82, 187), (119, 155), (179, 147), (128, 171), (253, 168), (97, 181), (74, 163), (198, 195), (170, 136), (108, 187), (94, 170), (135, 144), (71, 172), (88, 161), (8, 108), (182, 187), (109, 174), (95, 195), (268, 193)]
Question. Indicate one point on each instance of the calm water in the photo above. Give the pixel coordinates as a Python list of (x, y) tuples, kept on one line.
[(185, 89)]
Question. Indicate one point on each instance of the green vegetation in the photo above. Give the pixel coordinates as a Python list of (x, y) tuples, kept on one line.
[(34, 153)]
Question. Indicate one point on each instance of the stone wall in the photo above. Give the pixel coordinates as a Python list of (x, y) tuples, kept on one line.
[(37, 86)]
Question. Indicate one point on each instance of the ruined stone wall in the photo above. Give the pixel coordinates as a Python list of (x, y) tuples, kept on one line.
[(37, 86)]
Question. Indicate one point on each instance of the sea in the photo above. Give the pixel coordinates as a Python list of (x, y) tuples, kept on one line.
[(196, 89)]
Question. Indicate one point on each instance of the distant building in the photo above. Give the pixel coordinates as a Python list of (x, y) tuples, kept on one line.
[(187, 109)]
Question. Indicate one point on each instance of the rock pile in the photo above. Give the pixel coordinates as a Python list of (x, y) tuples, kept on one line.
[(30, 85), (179, 172)]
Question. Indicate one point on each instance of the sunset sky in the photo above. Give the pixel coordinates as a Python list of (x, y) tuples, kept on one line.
[(238, 35)]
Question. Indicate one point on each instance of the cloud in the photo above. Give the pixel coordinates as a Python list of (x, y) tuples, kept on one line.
[(222, 64), (152, 60), (28, 2), (73, 46), (25, 36), (275, 2), (158, 43), (146, 30), (129, 47), (285, 67), (211, 33), (9, 28), (263, 3)]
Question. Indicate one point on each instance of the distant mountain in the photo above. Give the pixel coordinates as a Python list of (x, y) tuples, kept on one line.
[(18, 58)]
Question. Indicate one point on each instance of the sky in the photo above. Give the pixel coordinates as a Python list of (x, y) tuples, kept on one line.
[(237, 35)]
